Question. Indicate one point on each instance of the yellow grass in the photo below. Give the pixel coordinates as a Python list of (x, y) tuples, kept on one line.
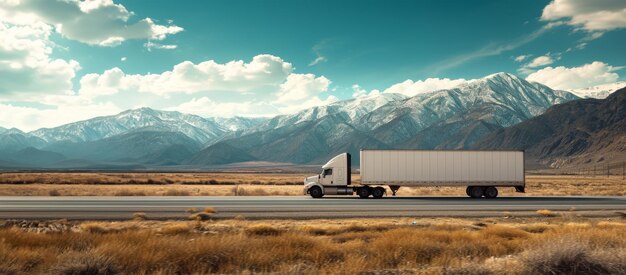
[(400, 245), (545, 213), (250, 184)]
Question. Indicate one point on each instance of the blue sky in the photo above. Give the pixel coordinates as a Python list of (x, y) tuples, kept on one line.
[(84, 59)]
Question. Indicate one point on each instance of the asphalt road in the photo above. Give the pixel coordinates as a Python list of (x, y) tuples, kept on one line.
[(300, 207)]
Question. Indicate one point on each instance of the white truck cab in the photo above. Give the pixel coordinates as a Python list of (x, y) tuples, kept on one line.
[(333, 179)]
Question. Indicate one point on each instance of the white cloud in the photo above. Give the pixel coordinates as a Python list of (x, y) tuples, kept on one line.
[(587, 75), (591, 16), (540, 61), (317, 49), (151, 45), (264, 71), (521, 58), (358, 91), (29, 118), (412, 88), (108, 83), (25, 64), (96, 22), (299, 87)]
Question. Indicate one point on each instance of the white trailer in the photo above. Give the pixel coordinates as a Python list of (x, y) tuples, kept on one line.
[(481, 172)]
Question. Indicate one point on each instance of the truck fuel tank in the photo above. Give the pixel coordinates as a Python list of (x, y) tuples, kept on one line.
[(337, 191)]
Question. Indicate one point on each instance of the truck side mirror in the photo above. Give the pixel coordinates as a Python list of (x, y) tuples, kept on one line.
[(318, 176)]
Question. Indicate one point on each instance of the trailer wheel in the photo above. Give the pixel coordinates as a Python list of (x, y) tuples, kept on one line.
[(363, 192), (476, 191), (316, 192), (378, 192), (491, 192), (467, 191)]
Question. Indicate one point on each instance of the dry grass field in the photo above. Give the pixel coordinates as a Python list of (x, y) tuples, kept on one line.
[(258, 184), (348, 246)]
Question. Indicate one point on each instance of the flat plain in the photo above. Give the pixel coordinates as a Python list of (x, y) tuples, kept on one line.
[(261, 184)]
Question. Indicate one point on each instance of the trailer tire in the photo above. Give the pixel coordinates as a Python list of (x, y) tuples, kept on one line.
[(316, 192), (491, 192), (467, 191), (378, 192), (476, 191), (363, 192)]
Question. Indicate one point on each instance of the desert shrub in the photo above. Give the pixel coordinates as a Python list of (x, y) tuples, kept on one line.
[(468, 269), (139, 216), (126, 192), (95, 228), (175, 229), (545, 213), (174, 192), (200, 216), (505, 232), (54, 193), (565, 255), (209, 210), (263, 229), (83, 262)]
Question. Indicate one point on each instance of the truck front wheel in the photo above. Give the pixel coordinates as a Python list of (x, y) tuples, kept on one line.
[(316, 192)]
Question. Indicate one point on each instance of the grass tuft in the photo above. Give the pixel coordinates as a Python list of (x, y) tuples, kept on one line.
[(200, 216), (546, 213), (139, 216), (263, 229)]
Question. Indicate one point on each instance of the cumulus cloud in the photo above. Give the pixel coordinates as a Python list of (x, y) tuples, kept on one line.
[(299, 87), (266, 78), (358, 91), (26, 67), (587, 75), (592, 16), (540, 61), (264, 71), (97, 22), (412, 88)]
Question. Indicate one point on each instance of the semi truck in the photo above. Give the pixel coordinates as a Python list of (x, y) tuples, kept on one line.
[(481, 172)]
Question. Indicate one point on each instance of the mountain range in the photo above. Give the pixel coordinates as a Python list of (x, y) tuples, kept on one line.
[(468, 116), (578, 133)]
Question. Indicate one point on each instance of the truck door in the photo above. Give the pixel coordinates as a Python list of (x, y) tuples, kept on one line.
[(327, 177)]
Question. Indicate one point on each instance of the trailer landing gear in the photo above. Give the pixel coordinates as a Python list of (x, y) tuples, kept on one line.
[(394, 189)]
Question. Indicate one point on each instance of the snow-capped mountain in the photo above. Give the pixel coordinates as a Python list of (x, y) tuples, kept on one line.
[(237, 123), (351, 110), (195, 127), (599, 91), (433, 120), (452, 118)]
